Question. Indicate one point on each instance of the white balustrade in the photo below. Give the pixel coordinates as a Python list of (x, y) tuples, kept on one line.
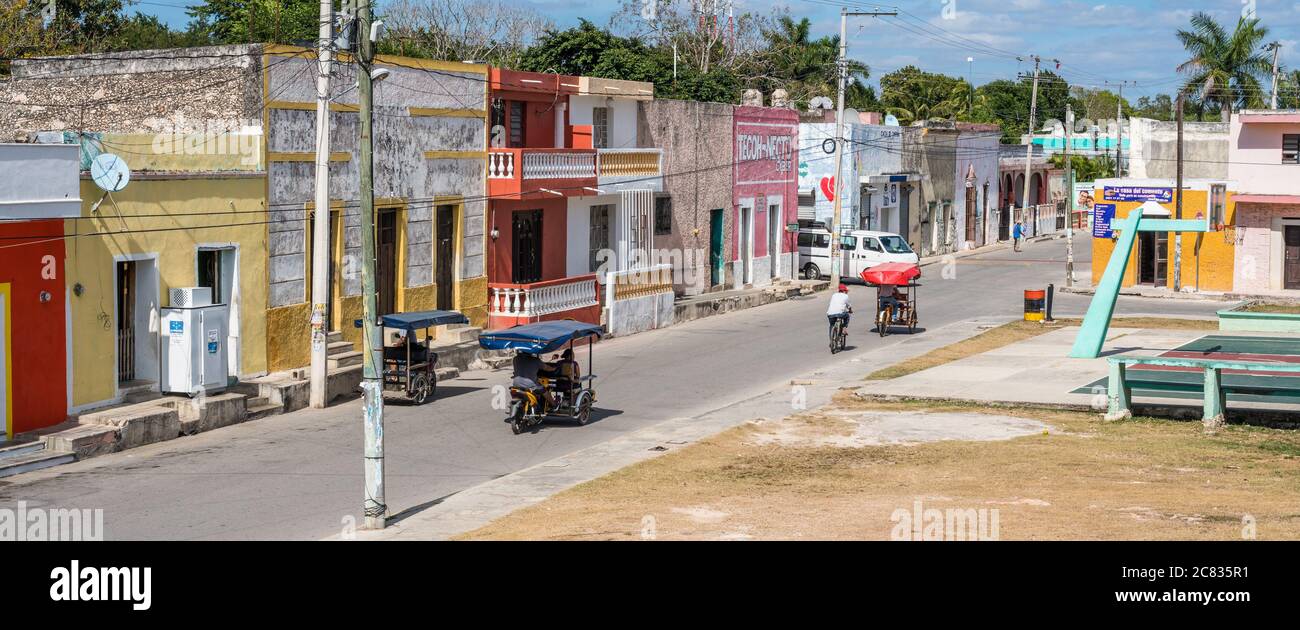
[(501, 165), (526, 301), (559, 165)]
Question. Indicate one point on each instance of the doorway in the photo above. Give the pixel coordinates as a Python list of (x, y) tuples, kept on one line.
[(136, 325), (526, 246), (6, 418), (774, 237), (1291, 263), (386, 238), (716, 258), (1153, 255), (746, 246), (971, 203), (218, 270), (445, 257)]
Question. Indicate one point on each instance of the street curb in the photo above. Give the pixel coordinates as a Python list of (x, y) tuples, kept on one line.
[(1170, 295)]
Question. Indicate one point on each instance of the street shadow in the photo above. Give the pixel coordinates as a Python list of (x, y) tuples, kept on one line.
[(442, 392), (1117, 351), (560, 422)]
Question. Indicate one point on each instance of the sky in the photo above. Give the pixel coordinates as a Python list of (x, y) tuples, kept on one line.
[(1095, 41)]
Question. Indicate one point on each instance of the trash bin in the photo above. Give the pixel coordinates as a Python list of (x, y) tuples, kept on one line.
[(1035, 305)]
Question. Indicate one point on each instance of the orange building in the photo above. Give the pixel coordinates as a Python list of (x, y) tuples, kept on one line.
[(1207, 259)]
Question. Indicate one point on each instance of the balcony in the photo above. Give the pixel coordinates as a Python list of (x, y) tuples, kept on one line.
[(563, 298), (627, 169), (529, 173)]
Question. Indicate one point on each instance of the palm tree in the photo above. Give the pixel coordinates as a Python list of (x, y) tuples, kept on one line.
[(803, 66), (1225, 67)]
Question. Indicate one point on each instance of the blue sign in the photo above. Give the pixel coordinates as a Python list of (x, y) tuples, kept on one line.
[(1102, 215), (1137, 193), (212, 347), (176, 326)]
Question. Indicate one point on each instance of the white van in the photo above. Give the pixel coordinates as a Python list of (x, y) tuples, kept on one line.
[(814, 252), (862, 250)]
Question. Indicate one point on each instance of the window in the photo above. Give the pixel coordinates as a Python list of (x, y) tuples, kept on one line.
[(895, 245), (872, 244), (599, 235), (516, 123), (813, 239), (1218, 202), (848, 243), (600, 127), (1291, 148), (663, 216)]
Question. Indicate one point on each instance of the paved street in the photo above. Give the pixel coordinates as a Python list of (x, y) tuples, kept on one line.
[(298, 476)]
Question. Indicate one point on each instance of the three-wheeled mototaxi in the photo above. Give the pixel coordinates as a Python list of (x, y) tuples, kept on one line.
[(562, 396), (411, 367)]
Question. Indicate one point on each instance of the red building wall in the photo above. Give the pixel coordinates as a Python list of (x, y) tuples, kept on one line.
[(555, 218), (32, 261), (766, 158)]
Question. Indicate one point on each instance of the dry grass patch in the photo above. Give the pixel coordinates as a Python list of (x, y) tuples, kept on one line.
[(1012, 332), (1087, 479), (1265, 307)]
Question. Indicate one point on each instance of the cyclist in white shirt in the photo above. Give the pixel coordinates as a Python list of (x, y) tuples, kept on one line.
[(840, 308)]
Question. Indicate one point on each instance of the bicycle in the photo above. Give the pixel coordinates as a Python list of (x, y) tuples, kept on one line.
[(839, 335)]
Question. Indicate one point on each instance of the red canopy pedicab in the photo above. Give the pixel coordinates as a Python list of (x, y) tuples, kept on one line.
[(895, 300)]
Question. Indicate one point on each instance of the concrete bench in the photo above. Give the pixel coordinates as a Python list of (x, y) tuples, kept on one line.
[(1120, 396)]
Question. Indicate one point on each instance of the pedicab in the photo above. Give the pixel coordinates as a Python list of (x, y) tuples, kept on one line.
[(410, 368), (560, 396), (896, 299)]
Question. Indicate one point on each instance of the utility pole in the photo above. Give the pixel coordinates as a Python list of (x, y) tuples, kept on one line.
[(1276, 47), (842, 65), (1069, 195), (1119, 126), (372, 347), (1029, 146), (1178, 204), (320, 252)]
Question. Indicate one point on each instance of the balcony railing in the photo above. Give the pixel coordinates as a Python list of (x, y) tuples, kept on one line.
[(540, 299), (630, 162)]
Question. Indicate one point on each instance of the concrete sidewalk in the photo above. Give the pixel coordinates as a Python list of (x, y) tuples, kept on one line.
[(479, 505), (1038, 372)]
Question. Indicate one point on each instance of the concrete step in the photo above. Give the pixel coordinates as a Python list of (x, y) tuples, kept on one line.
[(344, 359), (34, 461), (338, 347), (19, 449), (260, 407), (456, 333), (85, 440), (446, 373), (333, 336)]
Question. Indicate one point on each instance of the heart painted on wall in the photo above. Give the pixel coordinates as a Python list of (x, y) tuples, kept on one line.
[(828, 188)]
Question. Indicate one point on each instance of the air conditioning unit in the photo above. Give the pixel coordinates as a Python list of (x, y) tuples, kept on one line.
[(190, 297)]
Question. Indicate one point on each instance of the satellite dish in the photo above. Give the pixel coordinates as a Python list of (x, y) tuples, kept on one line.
[(851, 115), (110, 172), (891, 120)]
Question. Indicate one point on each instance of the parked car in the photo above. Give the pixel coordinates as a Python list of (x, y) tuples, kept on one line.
[(862, 250), (814, 252)]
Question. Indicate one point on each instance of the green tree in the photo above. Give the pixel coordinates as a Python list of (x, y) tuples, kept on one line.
[(1225, 67), (1086, 169), (257, 21), (911, 94), (1288, 90), (1006, 103), (805, 67)]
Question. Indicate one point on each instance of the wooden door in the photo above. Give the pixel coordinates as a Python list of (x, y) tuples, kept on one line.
[(1292, 260), (445, 257), (386, 262), (527, 246)]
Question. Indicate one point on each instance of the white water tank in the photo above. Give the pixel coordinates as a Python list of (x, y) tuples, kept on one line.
[(194, 348)]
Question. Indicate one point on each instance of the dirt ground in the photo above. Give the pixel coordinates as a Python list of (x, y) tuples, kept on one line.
[(857, 469)]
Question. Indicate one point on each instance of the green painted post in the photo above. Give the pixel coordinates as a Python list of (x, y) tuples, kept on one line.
[(1097, 321), (1118, 393), (1215, 400)]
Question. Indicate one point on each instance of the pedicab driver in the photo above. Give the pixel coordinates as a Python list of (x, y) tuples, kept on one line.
[(840, 308)]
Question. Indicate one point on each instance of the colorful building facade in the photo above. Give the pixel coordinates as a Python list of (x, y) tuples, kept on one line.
[(1264, 163), (765, 195)]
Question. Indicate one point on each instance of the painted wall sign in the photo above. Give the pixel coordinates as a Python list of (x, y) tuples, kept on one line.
[(1102, 215), (774, 148), (1137, 193)]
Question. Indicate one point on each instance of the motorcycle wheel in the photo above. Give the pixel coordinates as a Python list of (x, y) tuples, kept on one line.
[(883, 319), (517, 417), (583, 410)]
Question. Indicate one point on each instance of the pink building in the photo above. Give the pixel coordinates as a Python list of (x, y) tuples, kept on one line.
[(765, 197), (1264, 166)]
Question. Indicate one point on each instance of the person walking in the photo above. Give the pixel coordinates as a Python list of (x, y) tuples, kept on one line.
[(1017, 233)]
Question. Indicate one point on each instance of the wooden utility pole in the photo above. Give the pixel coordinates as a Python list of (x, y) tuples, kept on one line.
[(372, 347), (1029, 145), (320, 241), (842, 66), (1178, 203)]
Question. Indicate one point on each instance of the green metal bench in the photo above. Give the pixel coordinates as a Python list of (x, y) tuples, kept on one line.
[(1120, 396)]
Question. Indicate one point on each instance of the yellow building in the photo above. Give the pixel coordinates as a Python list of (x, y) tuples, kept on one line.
[(1207, 259)]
